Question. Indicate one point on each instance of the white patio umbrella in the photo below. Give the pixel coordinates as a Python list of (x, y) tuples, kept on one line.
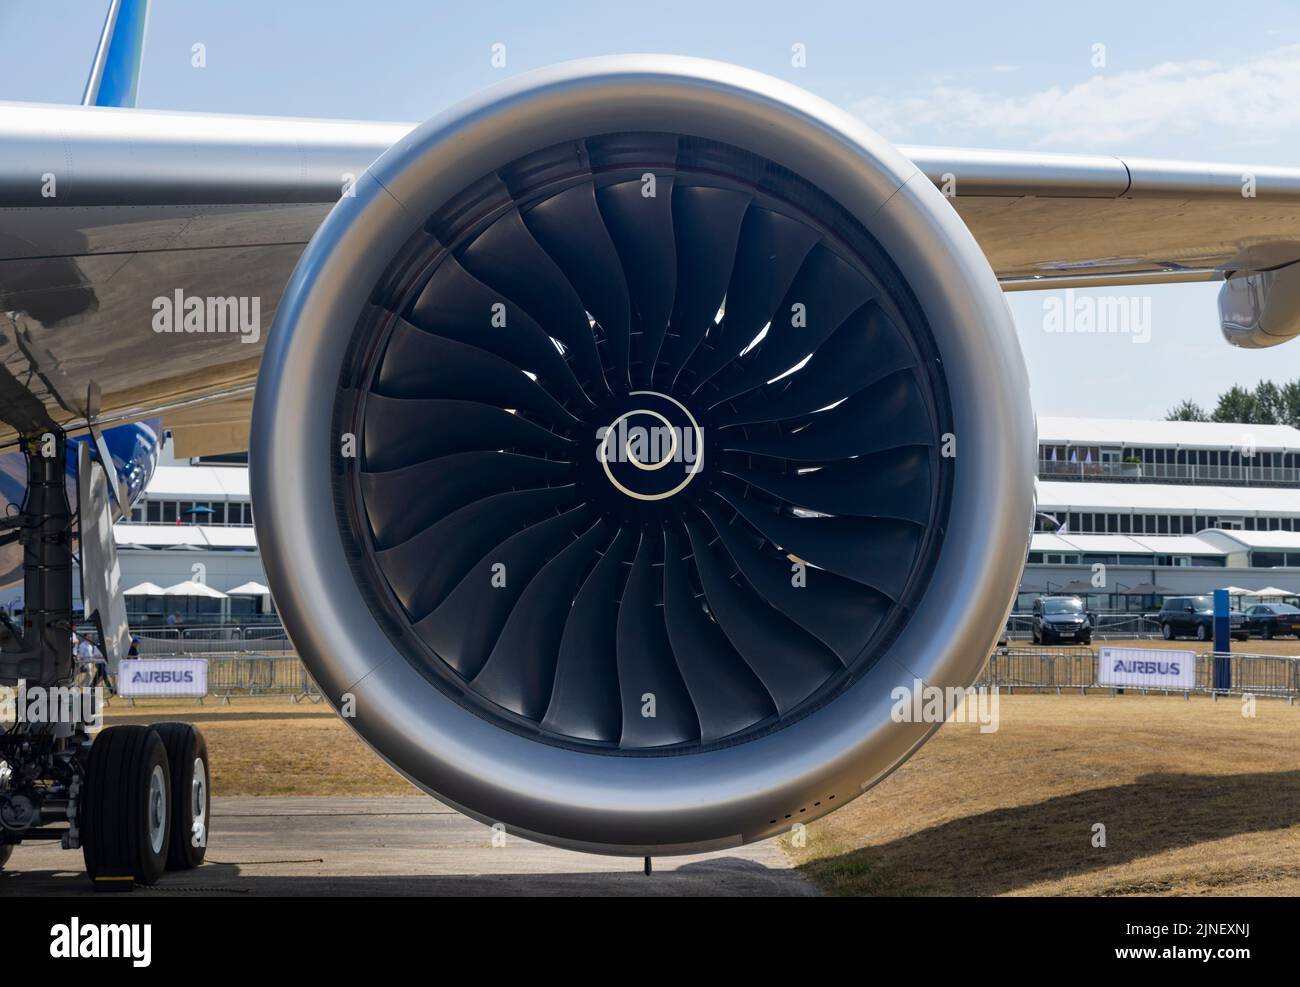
[(144, 589), (1272, 592), (191, 588), (250, 588)]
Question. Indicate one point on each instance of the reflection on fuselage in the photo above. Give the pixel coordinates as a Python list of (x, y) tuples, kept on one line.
[(134, 451)]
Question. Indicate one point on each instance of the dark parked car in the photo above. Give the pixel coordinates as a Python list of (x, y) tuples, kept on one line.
[(1193, 616), (1268, 620), (1061, 618)]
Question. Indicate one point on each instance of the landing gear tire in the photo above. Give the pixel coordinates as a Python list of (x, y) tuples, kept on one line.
[(126, 826), (1166, 632), (187, 753)]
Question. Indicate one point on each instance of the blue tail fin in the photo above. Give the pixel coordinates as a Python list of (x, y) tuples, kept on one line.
[(115, 73)]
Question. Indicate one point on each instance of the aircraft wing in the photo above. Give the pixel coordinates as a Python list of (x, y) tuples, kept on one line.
[(106, 214), (1084, 220)]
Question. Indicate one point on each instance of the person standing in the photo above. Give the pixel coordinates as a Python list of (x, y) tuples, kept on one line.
[(89, 652)]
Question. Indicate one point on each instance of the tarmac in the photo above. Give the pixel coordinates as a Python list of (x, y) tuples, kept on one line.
[(322, 847)]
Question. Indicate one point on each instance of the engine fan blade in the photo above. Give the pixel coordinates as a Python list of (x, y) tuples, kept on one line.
[(507, 258), (570, 228), (876, 552), (462, 426), (403, 502), (826, 291), (418, 364), (727, 695), (585, 700), (772, 248), (463, 628), (424, 569), (893, 413), (657, 709), (837, 612), (866, 348), (457, 305), (892, 484), (789, 663), (707, 223), (520, 671), (641, 227)]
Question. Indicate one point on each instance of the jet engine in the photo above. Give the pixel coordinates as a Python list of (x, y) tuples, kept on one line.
[(629, 441)]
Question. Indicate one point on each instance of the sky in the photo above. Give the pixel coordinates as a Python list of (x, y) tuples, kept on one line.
[(1190, 80)]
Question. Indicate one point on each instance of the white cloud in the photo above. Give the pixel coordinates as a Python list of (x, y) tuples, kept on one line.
[(1254, 99)]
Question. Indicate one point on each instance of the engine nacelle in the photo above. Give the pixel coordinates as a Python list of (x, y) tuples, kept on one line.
[(625, 441), (1261, 308)]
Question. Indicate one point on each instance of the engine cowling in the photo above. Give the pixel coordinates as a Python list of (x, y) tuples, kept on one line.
[(624, 441)]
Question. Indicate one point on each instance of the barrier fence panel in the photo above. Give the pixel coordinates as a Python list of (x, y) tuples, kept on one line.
[(214, 641), (1106, 626), (1043, 668), (258, 675), (1076, 668)]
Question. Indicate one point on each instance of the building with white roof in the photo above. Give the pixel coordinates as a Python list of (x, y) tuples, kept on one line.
[(1165, 509), (1190, 506), (1158, 451), (219, 494), (1139, 433), (193, 523)]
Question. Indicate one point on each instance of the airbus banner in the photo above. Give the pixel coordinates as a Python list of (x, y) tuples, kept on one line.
[(171, 677), (1147, 668)]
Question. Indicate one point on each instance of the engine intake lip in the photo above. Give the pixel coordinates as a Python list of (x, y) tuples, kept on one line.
[(717, 797)]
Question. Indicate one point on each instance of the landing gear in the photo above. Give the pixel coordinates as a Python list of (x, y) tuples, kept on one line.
[(133, 799)]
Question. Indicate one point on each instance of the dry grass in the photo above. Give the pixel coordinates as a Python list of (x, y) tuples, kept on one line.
[(1195, 798), (274, 747)]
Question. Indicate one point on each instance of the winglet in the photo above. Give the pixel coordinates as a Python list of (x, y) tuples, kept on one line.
[(115, 72)]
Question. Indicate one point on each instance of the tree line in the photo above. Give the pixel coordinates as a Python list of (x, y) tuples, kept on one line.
[(1267, 404)]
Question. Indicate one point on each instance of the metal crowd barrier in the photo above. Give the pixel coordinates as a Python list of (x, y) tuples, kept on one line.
[(247, 661), (1042, 668), (203, 641), (231, 676), (1076, 668), (1104, 626)]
